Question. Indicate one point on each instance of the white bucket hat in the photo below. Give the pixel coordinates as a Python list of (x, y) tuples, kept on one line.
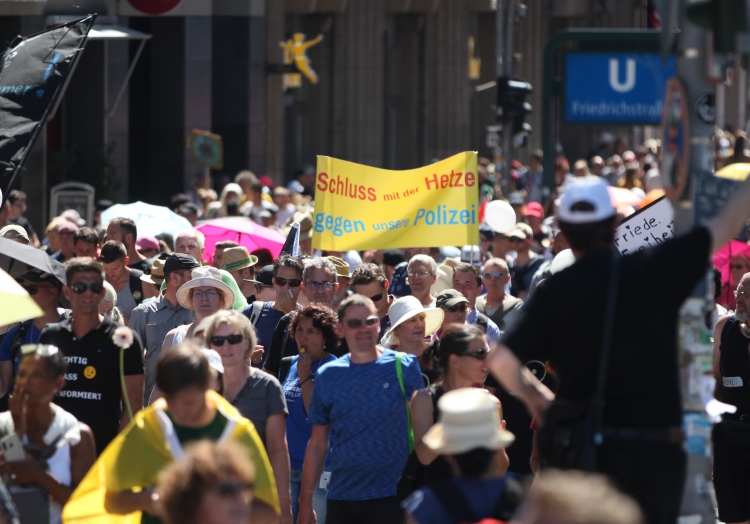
[(469, 419), (407, 307), (205, 276)]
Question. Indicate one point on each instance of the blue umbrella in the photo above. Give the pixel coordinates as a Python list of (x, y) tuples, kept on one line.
[(149, 219)]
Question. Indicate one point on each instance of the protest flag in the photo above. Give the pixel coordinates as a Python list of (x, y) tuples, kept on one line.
[(291, 245), (35, 72)]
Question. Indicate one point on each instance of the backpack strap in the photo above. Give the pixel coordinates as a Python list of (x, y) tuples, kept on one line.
[(256, 312), (284, 366), (400, 375), (436, 392), (136, 288), (482, 321), (454, 502), (509, 500), (15, 345)]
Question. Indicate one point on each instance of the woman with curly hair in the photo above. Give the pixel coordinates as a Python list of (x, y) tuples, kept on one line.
[(314, 330), (212, 485)]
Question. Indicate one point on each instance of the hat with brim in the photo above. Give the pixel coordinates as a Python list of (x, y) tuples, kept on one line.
[(450, 298), (157, 273), (407, 307), (205, 276), (213, 357), (305, 221), (342, 266), (264, 276), (236, 258), (14, 231), (469, 419)]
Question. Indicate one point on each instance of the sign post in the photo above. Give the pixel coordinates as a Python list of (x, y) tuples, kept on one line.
[(73, 195)]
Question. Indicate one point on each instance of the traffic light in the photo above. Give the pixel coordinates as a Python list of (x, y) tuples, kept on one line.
[(725, 18), (512, 105)]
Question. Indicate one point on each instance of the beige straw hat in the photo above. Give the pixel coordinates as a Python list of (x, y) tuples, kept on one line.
[(205, 276)]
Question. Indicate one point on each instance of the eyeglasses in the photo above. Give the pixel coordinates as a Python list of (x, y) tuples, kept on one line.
[(211, 293), (233, 339), (421, 274), (357, 323), (80, 287), (43, 350), (462, 307), (740, 295), (319, 285), (499, 274), (479, 354), (232, 489), (377, 298), (293, 282), (33, 289)]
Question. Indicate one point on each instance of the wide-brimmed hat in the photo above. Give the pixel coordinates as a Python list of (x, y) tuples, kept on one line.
[(469, 419), (342, 266), (305, 221), (205, 276), (157, 273), (236, 258), (407, 307)]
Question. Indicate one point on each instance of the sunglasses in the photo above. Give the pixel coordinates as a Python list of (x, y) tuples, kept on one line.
[(356, 323), (80, 287), (377, 298), (233, 339), (232, 489), (494, 275), (293, 282), (33, 289), (319, 285), (462, 307), (43, 350), (479, 354)]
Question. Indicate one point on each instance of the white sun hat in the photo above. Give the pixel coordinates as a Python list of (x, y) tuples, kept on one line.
[(405, 308), (205, 276), (469, 419)]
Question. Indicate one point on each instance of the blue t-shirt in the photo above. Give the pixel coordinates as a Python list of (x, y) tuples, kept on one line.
[(482, 496), (32, 337), (364, 405), (265, 328), (298, 431)]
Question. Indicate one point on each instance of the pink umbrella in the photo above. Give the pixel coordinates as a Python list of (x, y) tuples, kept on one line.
[(245, 232), (722, 260), (624, 197)]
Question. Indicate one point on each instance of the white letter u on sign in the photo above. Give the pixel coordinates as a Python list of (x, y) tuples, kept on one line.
[(614, 75)]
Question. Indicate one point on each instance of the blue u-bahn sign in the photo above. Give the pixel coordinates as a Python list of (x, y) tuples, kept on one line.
[(616, 88)]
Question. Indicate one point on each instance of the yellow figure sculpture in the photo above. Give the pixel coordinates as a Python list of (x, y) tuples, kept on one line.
[(475, 64), (295, 51)]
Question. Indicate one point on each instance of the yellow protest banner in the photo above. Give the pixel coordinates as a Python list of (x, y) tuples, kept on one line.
[(361, 207)]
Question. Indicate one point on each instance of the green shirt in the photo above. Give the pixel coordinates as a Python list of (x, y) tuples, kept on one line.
[(187, 435)]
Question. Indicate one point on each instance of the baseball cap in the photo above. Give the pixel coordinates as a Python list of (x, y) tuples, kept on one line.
[(534, 209), (486, 232), (515, 199), (264, 277), (179, 261), (449, 298), (67, 227), (148, 243), (14, 231), (37, 276), (593, 194), (466, 255), (522, 231)]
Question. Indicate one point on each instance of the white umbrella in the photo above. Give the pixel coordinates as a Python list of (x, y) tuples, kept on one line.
[(149, 219), (15, 302)]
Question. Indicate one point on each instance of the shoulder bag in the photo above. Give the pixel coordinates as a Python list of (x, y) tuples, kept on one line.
[(571, 430)]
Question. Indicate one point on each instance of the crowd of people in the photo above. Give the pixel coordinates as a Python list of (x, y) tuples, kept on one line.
[(383, 386)]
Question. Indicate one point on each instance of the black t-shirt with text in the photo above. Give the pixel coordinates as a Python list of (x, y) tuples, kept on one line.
[(92, 391), (563, 323)]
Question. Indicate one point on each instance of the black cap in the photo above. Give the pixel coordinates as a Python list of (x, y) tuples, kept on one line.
[(180, 261), (37, 276), (449, 298), (393, 257), (264, 277), (486, 232)]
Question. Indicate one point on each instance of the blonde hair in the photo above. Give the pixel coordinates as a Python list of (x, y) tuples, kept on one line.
[(239, 321)]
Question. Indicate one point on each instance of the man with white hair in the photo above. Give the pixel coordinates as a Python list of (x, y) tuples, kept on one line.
[(190, 241), (422, 271)]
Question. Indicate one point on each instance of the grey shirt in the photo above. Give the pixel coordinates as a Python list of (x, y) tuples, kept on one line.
[(259, 398), (152, 321), (125, 301)]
